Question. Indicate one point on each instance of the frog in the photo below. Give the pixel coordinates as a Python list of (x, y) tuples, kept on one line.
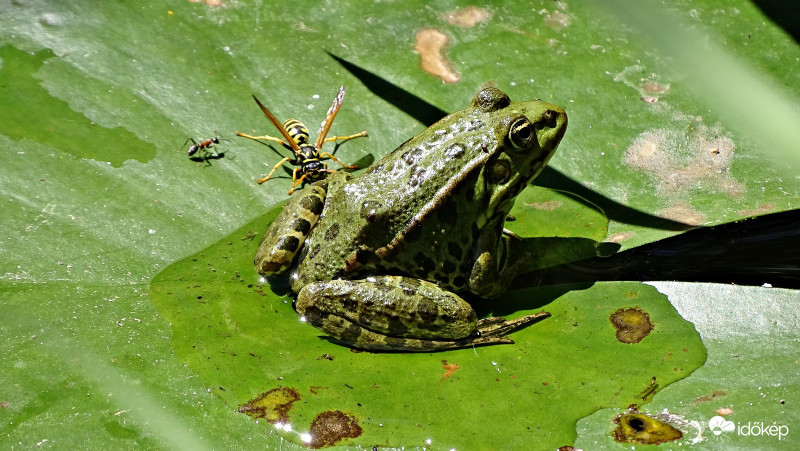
[(390, 259)]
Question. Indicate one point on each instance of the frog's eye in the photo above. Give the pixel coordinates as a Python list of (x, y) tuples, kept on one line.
[(521, 133)]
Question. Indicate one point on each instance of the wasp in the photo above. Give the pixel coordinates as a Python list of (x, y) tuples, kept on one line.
[(308, 158), (204, 146)]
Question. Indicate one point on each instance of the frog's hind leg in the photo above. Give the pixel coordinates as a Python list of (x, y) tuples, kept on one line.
[(352, 334), (399, 314)]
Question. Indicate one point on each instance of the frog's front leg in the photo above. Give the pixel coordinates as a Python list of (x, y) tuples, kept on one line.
[(400, 313), (289, 230), (496, 262)]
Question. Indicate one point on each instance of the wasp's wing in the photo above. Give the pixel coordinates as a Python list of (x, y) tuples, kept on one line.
[(326, 124), (278, 125)]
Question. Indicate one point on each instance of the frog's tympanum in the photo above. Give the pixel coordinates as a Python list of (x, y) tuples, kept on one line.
[(378, 261)]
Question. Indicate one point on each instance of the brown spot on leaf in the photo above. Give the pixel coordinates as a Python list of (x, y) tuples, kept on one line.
[(273, 406), (619, 237), (331, 427), (760, 210), (724, 411), (556, 20), (208, 2), (632, 324), (682, 212), (680, 161), (549, 205), (450, 368), (714, 395), (656, 88), (430, 46), (467, 17), (640, 428), (315, 389)]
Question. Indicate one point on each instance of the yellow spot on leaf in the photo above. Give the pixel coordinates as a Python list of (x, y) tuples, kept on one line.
[(640, 428)]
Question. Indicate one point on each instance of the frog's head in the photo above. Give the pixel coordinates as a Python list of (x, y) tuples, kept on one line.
[(526, 135)]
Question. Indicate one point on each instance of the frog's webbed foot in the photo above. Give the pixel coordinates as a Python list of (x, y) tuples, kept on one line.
[(497, 326)]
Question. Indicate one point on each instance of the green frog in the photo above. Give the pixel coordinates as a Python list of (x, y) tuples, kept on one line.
[(381, 261)]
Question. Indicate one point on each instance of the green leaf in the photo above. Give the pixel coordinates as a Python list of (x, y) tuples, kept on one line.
[(99, 198)]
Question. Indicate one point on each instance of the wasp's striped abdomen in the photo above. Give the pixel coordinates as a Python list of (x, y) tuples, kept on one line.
[(297, 131), (285, 236)]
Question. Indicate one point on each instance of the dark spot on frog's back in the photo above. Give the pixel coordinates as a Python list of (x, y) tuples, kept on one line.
[(288, 243), (475, 124), (301, 225), (412, 156), (416, 176), (351, 333), (314, 250), (312, 204), (455, 250), (377, 169), (449, 268), (424, 262), (397, 326), (448, 212), (332, 232), (427, 312), (454, 151)]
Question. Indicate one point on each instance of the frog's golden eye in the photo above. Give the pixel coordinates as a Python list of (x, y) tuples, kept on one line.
[(521, 133)]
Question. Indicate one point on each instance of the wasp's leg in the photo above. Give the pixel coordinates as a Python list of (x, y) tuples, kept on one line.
[(345, 138), (327, 155), (296, 181), (274, 168), (264, 138)]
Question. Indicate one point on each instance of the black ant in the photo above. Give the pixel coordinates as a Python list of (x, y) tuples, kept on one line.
[(306, 156)]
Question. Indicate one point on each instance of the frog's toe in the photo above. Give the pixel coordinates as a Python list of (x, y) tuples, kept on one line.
[(496, 326)]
